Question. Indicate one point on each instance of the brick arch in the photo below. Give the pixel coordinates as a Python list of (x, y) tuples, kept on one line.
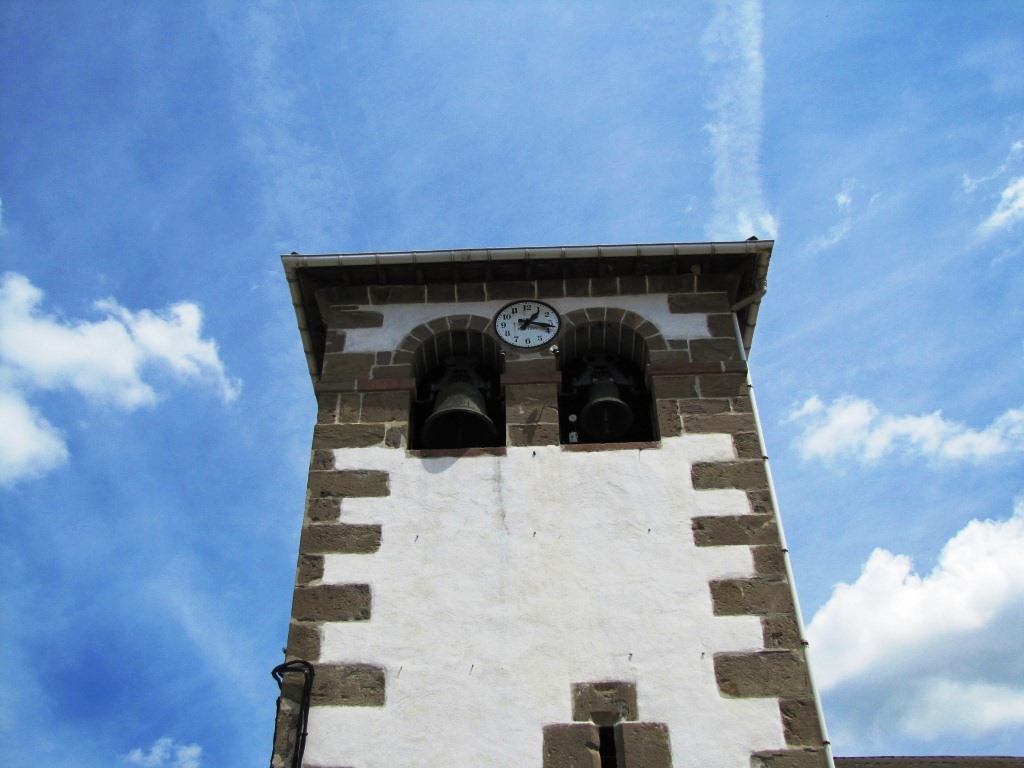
[(618, 331), (427, 345)]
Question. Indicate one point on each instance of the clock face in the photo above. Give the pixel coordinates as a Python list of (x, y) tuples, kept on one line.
[(527, 324)]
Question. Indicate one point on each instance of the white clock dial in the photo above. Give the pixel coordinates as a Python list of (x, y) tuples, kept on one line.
[(527, 324)]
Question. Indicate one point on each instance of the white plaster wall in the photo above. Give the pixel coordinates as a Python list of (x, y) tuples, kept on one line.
[(501, 581), (399, 319)]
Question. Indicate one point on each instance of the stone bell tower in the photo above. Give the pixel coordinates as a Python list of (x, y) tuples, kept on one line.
[(539, 528)]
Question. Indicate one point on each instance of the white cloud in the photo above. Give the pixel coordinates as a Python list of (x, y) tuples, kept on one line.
[(166, 754), (934, 654), (1010, 209), (731, 46), (854, 427), (29, 445), (107, 360)]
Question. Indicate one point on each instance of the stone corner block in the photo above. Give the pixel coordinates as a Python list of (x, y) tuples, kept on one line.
[(349, 482), (762, 674), (643, 744), (732, 530), (744, 475), (750, 597), (606, 696), (348, 685), (571, 746), (331, 602), (790, 758)]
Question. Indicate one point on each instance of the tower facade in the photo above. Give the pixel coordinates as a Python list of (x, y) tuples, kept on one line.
[(539, 528)]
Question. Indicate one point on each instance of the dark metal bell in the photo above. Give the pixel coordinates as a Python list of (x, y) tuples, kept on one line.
[(605, 416), (459, 419)]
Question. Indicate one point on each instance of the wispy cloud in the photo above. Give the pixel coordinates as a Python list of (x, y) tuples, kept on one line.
[(307, 195), (731, 46), (165, 753), (936, 653), (106, 360), (841, 229), (1009, 210), (853, 427)]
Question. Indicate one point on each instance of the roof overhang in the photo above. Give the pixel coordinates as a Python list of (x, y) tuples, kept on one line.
[(737, 267)]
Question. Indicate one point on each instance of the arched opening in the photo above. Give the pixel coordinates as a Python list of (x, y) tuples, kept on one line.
[(604, 396), (458, 401)]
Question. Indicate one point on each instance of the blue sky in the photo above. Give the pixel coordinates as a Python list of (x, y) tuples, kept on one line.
[(155, 158)]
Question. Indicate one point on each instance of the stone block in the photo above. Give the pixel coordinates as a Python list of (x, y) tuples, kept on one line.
[(470, 292), (349, 404), (669, 423), (546, 364), (643, 744), (440, 293), (722, 326), (398, 294), (341, 295), (768, 560), (310, 568), (723, 385), (747, 446), (303, 641), (326, 407), (385, 406), (348, 685), (800, 722), (745, 475), (734, 530), (676, 387), (323, 510), (350, 482), (347, 366), (604, 286), (609, 696), (760, 502), (355, 318), (790, 758), (533, 434), (632, 285), (331, 602), (670, 283), (698, 303), (550, 289), (762, 674), (322, 460), (741, 404), (396, 437), (781, 631), (347, 435), (334, 341), (705, 350), (666, 357), (340, 538), (571, 746), (703, 405), (577, 286), (750, 597), (511, 289), (725, 423)]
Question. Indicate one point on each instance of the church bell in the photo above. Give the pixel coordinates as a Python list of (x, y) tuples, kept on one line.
[(459, 418), (605, 416)]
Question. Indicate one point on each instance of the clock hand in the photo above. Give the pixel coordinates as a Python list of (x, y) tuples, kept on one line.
[(523, 323), (538, 324)]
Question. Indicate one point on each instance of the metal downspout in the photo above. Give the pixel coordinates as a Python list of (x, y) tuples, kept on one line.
[(785, 556)]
